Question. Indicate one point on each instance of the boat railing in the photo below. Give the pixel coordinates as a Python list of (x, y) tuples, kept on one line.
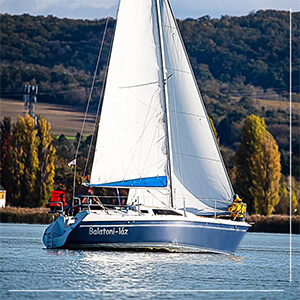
[(56, 207), (88, 202), (93, 202)]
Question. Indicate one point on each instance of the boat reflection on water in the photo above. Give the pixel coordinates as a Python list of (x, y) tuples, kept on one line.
[(129, 258)]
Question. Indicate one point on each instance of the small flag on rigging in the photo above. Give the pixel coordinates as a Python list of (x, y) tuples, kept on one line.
[(72, 163)]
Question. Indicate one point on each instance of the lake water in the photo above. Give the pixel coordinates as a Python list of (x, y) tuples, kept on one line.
[(258, 270)]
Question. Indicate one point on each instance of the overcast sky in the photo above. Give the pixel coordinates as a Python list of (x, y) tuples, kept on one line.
[(91, 9)]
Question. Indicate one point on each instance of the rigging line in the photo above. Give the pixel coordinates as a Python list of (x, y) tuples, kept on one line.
[(157, 197), (138, 85), (186, 113), (199, 157), (142, 102), (209, 199), (146, 126), (162, 192), (98, 109), (170, 27), (133, 150), (141, 141), (147, 156), (178, 70), (88, 104), (147, 115)]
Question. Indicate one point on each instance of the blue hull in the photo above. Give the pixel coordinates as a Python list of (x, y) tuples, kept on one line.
[(188, 235)]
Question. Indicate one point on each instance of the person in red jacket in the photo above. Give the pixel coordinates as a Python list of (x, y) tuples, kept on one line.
[(57, 197)]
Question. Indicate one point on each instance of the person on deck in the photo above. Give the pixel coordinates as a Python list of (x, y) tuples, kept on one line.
[(90, 192), (93, 200), (237, 208), (58, 198), (123, 196)]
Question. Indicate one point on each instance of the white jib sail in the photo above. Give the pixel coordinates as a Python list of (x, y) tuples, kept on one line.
[(131, 141), (197, 164)]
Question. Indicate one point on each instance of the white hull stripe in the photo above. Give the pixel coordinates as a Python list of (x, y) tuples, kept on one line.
[(165, 225)]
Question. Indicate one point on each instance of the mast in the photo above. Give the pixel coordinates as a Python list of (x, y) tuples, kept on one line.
[(166, 99)]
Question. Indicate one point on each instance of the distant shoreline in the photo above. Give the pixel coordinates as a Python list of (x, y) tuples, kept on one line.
[(25, 215), (274, 223)]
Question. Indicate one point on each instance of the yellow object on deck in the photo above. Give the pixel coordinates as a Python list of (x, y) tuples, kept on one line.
[(237, 209)]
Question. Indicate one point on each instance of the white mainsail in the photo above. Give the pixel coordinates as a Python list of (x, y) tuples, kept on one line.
[(132, 137), (131, 145)]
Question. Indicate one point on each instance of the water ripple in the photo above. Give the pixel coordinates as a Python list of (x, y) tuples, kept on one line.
[(261, 263)]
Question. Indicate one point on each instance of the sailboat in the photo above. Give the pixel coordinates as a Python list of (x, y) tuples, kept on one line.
[(155, 149)]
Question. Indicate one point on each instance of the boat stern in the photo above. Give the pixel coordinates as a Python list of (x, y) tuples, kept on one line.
[(55, 235)]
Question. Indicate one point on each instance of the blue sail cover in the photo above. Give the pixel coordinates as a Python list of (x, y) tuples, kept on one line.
[(158, 181)]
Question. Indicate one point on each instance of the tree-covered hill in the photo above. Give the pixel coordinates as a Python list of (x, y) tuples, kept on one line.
[(60, 54), (255, 47), (239, 62)]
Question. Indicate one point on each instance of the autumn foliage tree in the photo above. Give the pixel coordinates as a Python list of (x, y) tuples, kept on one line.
[(257, 163), (46, 157), (214, 130), (22, 163), (28, 172), (283, 207), (5, 135)]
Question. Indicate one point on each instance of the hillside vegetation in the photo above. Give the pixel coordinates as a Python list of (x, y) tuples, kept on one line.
[(239, 63), (60, 54)]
